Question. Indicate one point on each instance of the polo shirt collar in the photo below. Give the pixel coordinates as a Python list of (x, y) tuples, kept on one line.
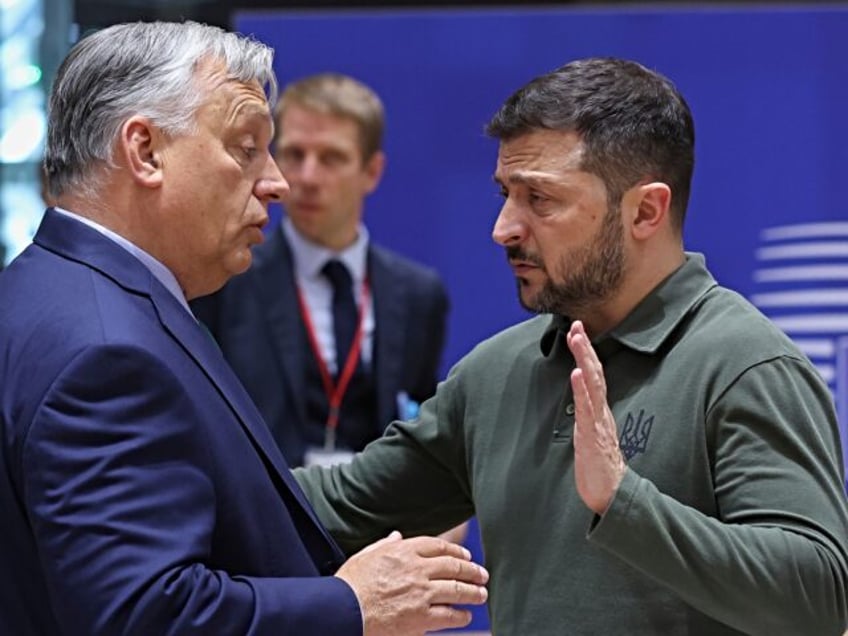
[(653, 320)]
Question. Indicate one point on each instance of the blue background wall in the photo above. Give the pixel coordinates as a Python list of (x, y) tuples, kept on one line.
[(768, 89)]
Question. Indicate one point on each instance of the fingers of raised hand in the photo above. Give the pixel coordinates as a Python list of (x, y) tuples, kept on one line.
[(587, 361), (584, 409)]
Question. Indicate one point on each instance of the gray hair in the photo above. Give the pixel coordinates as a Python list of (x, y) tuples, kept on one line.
[(142, 68)]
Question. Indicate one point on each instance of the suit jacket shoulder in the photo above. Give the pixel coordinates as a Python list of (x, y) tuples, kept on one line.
[(139, 488)]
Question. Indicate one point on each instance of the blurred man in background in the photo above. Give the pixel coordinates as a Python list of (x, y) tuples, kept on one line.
[(332, 335)]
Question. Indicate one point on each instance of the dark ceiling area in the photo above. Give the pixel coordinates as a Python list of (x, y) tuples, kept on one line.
[(100, 13), (92, 14)]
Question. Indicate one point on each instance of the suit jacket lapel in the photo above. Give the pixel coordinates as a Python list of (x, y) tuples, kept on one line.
[(78, 242), (197, 343), (390, 318)]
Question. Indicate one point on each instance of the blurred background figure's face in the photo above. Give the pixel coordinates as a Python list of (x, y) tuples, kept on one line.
[(321, 158)]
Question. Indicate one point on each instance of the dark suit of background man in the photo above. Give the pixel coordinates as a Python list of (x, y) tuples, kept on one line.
[(328, 146), (140, 490)]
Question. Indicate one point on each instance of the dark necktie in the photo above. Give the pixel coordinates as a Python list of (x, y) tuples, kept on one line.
[(345, 314)]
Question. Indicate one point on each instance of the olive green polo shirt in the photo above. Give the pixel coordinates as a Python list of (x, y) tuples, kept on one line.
[(731, 518)]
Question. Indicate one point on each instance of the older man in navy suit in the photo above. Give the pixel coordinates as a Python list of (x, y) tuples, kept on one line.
[(140, 490)]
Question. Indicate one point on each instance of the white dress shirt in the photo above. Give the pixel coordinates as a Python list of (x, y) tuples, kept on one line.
[(309, 258)]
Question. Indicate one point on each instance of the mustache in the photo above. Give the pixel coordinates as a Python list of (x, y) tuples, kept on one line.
[(516, 253)]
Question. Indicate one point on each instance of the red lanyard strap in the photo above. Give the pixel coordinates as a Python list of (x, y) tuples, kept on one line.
[(335, 391)]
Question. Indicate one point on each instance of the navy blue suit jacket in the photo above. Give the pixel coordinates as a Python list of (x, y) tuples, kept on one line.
[(140, 490), (256, 321)]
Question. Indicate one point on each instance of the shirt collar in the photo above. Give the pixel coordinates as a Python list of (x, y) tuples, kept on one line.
[(652, 321), (162, 273), (310, 257)]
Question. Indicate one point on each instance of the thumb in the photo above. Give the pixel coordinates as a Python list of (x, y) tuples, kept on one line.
[(394, 535)]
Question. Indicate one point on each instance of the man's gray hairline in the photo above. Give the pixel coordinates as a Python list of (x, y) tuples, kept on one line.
[(243, 60)]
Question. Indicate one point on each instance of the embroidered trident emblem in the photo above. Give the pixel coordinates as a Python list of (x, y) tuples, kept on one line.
[(635, 433)]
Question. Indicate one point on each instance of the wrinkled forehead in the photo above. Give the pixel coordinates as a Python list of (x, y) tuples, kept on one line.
[(232, 96), (212, 73)]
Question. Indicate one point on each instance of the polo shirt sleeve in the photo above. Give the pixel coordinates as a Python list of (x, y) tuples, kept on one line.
[(413, 479), (775, 560)]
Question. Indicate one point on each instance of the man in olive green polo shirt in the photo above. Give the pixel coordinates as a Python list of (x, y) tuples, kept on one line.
[(648, 456)]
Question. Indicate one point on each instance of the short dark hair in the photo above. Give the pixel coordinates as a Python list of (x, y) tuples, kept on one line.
[(633, 122)]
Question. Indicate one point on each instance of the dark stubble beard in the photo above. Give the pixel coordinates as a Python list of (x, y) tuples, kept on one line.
[(589, 275)]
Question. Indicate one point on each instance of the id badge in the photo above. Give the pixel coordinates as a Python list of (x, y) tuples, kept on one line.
[(407, 408), (315, 456)]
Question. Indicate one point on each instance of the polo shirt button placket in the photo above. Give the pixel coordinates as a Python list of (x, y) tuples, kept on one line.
[(565, 425)]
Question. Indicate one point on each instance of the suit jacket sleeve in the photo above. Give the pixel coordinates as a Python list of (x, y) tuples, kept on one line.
[(116, 483)]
